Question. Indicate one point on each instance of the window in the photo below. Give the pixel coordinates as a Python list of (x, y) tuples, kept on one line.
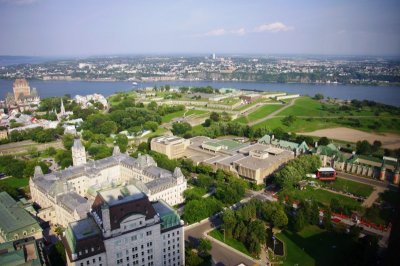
[(148, 233), (94, 260), (88, 262), (99, 258), (81, 263)]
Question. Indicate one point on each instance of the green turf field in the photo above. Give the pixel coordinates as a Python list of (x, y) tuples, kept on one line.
[(315, 246)]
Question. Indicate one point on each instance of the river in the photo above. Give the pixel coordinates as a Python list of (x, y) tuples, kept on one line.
[(383, 94)]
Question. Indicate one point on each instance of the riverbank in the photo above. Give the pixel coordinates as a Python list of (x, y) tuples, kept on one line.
[(383, 94)]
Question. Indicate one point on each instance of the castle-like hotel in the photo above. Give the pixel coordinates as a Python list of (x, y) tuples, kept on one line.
[(67, 196)]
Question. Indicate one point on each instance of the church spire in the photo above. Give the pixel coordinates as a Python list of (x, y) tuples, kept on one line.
[(62, 109)]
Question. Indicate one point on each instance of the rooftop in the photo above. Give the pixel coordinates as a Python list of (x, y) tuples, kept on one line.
[(119, 195), (13, 217), (84, 228)]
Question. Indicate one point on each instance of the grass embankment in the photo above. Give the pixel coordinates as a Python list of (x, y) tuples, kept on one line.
[(259, 113), (168, 117), (349, 186), (217, 234), (14, 183), (315, 246)]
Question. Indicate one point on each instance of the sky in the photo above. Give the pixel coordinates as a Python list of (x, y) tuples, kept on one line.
[(115, 27)]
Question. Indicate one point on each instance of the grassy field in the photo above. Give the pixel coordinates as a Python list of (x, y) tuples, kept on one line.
[(305, 106), (259, 113), (195, 112), (217, 234), (352, 187), (315, 246), (14, 182), (330, 115), (168, 117), (324, 197)]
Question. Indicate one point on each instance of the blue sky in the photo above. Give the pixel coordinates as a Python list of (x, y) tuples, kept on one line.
[(96, 27)]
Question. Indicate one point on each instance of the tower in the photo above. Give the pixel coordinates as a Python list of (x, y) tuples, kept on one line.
[(21, 89), (62, 109), (78, 153)]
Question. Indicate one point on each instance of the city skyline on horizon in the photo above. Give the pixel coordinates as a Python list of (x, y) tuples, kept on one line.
[(91, 28)]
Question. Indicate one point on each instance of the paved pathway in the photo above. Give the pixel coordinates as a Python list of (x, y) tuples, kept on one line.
[(373, 197), (273, 114)]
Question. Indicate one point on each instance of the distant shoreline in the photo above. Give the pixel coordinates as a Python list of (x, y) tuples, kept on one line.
[(396, 84)]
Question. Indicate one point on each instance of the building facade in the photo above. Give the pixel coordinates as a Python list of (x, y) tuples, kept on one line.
[(67, 195), (126, 228), (173, 147)]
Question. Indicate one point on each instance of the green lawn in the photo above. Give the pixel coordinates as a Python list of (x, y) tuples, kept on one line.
[(168, 117), (315, 246), (14, 182), (299, 125), (264, 111), (217, 234), (306, 106), (352, 187), (324, 197)]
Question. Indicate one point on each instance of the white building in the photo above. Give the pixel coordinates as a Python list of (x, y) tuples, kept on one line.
[(67, 195), (86, 101), (125, 228)]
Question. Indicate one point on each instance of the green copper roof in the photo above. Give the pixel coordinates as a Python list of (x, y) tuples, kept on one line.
[(169, 217), (14, 219)]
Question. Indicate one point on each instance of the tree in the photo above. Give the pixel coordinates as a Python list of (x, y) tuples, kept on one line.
[(207, 122), (204, 247), (122, 141), (323, 141), (68, 141), (151, 125), (152, 105), (180, 128), (289, 120), (318, 96), (327, 220), (363, 147), (299, 221), (229, 220), (376, 145), (279, 218), (215, 116)]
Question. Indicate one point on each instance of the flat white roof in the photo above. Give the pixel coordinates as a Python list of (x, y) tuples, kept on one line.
[(326, 169)]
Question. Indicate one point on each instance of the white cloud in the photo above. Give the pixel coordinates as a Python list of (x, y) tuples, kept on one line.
[(239, 32), (273, 27), (216, 32), (222, 32)]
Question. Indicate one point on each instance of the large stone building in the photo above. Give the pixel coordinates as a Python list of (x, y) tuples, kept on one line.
[(171, 146), (23, 252), (21, 89), (67, 195), (22, 97), (252, 161), (125, 228), (15, 222)]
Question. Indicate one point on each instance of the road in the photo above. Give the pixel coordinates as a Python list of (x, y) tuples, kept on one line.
[(368, 181), (273, 114), (220, 254)]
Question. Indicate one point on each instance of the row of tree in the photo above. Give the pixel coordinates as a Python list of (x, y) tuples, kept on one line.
[(248, 223)]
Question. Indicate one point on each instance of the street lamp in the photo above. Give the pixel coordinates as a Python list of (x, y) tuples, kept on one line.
[(224, 234)]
